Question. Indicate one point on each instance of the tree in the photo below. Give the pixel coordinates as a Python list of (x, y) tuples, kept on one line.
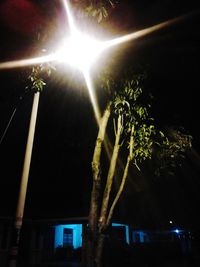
[(136, 139), (136, 136)]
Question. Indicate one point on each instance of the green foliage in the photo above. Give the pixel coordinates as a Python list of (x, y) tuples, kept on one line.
[(97, 10), (168, 148), (37, 83), (171, 150), (127, 103), (38, 75)]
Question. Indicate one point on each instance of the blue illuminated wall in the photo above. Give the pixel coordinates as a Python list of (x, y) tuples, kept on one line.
[(77, 234)]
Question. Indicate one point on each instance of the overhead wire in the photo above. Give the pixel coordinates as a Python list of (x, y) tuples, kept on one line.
[(10, 120)]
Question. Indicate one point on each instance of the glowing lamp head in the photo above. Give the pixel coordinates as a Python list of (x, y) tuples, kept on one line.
[(79, 51)]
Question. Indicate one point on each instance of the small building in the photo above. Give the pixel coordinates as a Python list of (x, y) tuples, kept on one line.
[(70, 234), (47, 240)]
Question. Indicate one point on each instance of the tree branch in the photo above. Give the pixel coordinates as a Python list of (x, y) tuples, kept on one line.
[(111, 172), (129, 158), (95, 195), (119, 191)]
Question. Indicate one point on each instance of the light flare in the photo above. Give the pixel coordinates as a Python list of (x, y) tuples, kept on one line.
[(101, 45), (26, 62), (141, 33), (80, 51), (69, 16), (93, 98)]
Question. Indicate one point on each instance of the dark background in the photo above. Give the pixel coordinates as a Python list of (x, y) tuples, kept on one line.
[(60, 178)]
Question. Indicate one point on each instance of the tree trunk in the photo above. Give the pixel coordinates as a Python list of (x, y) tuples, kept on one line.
[(111, 172), (106, 196), (92, 231), (125, 175), (99, 250), (106, 222)]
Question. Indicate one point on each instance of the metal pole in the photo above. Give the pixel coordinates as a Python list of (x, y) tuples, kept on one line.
[(12, 262)]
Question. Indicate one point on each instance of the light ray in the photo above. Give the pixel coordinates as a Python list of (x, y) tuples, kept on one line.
[(69, 16), (81, 51), (26, 62), (141, 33), (93, 98)]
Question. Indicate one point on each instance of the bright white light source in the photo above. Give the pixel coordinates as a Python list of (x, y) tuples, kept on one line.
[(177, 231), (80, 51)]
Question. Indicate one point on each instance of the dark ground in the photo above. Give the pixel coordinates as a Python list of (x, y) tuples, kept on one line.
[(165, 263), (141, 258)]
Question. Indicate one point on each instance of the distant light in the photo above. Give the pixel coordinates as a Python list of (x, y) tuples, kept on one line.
[(170, 222), (177, 231)]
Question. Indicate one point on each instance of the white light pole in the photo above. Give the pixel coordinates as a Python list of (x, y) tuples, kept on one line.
[(23, 185)]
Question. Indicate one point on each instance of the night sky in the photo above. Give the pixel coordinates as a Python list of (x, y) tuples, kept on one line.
[(60, 177)]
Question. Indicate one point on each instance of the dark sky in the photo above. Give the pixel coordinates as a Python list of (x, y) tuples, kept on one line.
[(66, 128)]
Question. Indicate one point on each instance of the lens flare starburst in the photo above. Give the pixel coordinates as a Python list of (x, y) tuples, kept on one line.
[(79, 56), (82, 51)]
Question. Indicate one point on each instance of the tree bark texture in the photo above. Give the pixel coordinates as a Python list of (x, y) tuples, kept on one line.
[(111, 173), (125, 175), (92, 231), (106, 195)]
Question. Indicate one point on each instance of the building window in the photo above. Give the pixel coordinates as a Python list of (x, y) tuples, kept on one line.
[(67, 237)]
